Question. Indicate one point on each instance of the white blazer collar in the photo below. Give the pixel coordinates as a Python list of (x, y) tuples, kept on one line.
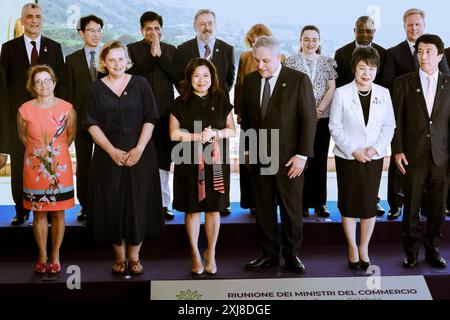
[(375, 99)]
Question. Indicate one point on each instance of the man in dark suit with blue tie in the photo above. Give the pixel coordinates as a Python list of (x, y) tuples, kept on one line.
[(420, 147), (206, 45), (402, 59), (280, 101), (81, 71), (17, 56)]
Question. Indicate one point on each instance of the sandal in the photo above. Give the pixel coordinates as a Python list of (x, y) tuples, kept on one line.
[(41, 267), (119, 267), (54, 268), (135, 267)]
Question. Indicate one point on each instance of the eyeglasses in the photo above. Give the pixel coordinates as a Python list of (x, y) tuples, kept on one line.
[(40, 83), (94, 30)]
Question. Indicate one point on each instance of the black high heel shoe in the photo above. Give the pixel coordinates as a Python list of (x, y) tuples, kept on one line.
[(354, 265), (364, 264)]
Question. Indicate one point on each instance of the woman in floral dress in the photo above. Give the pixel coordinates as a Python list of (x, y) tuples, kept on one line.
[(47, 127)]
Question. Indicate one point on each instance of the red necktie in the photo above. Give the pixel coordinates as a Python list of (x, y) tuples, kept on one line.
[(34, 54)]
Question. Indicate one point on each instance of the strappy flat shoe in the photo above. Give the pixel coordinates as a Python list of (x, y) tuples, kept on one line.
[(135, 267), (119, 267)]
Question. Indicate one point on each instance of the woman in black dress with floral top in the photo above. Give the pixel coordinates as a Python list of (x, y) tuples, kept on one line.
[(201, 120), (320, 70), (124, 198)]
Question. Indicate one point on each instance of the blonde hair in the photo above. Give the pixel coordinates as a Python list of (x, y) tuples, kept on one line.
[(256, 31), (33, 71), (412, 11), (115, 44)]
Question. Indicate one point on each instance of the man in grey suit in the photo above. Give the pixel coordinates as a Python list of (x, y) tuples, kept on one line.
[(81, 71)]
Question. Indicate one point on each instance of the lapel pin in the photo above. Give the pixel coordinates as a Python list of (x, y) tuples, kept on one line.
[(125, 93), (418, 90), (45, 49), (217, 50), (284, 84)]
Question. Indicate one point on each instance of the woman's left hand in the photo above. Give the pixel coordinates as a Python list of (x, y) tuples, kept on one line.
[(319, 113), (133, 156)]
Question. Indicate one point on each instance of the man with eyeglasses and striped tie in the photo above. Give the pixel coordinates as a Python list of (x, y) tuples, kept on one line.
[(81, 71), (17, 56)]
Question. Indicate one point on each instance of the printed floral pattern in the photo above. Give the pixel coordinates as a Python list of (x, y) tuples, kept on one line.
[(49, 167)]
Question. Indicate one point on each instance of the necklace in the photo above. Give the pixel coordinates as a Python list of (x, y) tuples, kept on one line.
[(364, 94)]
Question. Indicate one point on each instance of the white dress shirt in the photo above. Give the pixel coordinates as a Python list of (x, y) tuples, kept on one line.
[(411, 46)]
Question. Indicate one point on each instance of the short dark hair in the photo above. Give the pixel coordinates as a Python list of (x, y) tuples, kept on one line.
[(368, 55), (186, 87), (431, 39), (364, 19), (151, 16), (84, 21)]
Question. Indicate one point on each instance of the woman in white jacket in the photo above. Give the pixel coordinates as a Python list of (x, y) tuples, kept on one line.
[(362, 124)]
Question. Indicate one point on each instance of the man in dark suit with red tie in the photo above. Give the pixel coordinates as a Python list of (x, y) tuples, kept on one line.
[(402, 59), (17, 56), (280, 100), (206, 45), (421, 148), (81, 71)]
